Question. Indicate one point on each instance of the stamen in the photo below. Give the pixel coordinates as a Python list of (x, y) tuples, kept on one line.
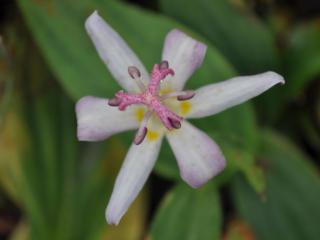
[(140, 136), (149, 96), (164, 65), (142, 132), (175, 123), (134, 72), (136, 75), (181, 95), (188, 95), (114, 102)]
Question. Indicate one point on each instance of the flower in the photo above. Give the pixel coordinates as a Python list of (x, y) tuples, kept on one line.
[(158, 108)]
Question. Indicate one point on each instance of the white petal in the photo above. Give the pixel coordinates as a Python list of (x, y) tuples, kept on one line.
[(134, 172), (97, 120), (217, 97), (184, 55), (114, 52), (199, 157)]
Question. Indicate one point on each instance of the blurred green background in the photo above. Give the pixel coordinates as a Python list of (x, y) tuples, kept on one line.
[(53, 187)]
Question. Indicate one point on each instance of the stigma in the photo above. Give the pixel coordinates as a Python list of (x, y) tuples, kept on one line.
[(150, 97)]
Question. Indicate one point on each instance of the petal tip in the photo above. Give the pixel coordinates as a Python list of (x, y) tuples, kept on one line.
[(111, 220), (200, 50), (275, 77), (176, 32), (196, 182), (93, 16), (83, 104), (184, 53), (196, 185), (88, 134), (93, 22), (221, 165), (82, 134), (80, 108), (85, 130), (114, 213)]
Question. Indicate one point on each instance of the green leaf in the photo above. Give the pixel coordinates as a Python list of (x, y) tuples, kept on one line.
[(301, 65), (241, 37), (6, 81), (302, 58), (290, 208), (190, 214), (254, 174)]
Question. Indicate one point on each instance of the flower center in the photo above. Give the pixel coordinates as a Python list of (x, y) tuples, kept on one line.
[(150, 97)]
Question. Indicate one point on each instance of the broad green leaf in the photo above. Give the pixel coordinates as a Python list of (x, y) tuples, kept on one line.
[(6, 80), (188, 213), (255, 176), (301, 67), (302, 58), (290, 208), (242, 38)]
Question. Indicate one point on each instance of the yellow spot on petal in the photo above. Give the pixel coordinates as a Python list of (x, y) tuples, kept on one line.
[(152, 135), (140, 114), (165, 91), (185, 107)]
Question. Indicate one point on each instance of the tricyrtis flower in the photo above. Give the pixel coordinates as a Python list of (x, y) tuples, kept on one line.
[(157, 106)]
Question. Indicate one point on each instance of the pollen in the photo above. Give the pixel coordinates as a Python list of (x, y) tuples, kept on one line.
[(152, 135), (185, 107), (140, 114)]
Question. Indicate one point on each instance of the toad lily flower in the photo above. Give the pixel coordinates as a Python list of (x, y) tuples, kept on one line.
[(157, 106)]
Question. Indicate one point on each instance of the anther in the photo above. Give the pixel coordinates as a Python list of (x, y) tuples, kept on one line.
[(174, 123), (140, 136), (188, 95), (164, 65), (114, 102), (134, 72)]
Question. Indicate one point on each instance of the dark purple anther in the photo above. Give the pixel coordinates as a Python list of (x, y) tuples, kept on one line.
[(175, 123), (114, 102), (164, 65), (140, 136), (188, 95), (134, 72)]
